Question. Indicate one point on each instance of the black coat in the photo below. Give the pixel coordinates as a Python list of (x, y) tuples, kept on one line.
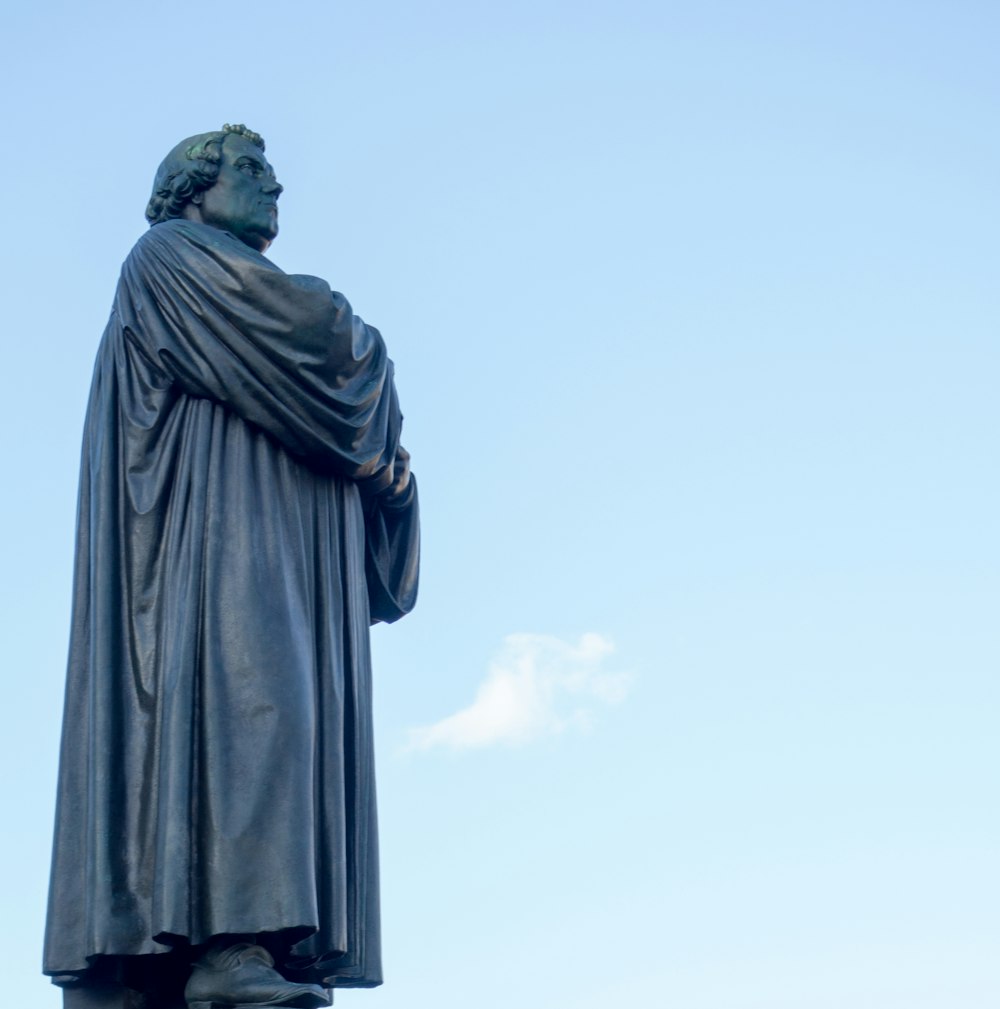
[(244, 514)]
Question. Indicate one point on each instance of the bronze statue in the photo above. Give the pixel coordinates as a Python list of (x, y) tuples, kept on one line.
[(245, 512)]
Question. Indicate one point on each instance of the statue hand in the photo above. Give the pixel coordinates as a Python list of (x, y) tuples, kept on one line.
[(396, 493)]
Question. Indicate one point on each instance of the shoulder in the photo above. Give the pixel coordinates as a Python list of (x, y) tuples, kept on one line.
[(166, 242), (190, 247), (178, 232)]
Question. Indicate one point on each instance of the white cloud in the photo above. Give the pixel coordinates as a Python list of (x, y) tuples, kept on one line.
[(536, 686)]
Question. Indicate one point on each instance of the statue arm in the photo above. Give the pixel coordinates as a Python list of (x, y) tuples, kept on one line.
[(281, 351)]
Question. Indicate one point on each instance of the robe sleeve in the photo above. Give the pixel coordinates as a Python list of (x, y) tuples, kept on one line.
[(282, 351), (392, 555)]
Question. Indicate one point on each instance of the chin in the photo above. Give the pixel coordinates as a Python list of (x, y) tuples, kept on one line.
[(260, 239), (269, 232)]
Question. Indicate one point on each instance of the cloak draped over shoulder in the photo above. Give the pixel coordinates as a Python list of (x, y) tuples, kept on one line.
[(245, 513)]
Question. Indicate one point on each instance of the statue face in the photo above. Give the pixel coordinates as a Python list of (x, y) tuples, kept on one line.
[(244, 198)]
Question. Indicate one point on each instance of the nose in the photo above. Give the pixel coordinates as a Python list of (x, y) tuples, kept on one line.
[(273, 186)]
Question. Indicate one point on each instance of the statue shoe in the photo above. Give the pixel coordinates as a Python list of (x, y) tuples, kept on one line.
[(243, 975)]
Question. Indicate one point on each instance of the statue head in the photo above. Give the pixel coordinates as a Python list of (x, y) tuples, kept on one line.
[(221, 179)]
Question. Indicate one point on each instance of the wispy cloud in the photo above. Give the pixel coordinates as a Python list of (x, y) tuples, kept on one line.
[(537, 685)]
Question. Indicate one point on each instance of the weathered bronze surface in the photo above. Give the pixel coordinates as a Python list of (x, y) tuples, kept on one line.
[(245, 512)]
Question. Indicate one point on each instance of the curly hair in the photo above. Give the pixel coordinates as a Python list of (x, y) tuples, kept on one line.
[(191, 168)]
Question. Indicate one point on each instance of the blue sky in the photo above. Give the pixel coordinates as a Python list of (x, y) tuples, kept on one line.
[(695, 320)]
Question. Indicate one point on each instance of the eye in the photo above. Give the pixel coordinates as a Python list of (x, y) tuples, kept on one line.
[(250, 168)]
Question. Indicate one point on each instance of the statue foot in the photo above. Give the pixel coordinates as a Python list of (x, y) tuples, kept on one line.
[(242, 976)]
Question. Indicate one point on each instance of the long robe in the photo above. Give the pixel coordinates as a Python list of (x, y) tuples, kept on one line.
[(244, 514)]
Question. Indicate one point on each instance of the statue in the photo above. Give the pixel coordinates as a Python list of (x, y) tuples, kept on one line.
[(245, 513)]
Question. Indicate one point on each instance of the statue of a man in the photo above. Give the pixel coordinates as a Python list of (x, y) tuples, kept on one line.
[(245, 512)]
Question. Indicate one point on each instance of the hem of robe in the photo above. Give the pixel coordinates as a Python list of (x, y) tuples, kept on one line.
[(319, 969)]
